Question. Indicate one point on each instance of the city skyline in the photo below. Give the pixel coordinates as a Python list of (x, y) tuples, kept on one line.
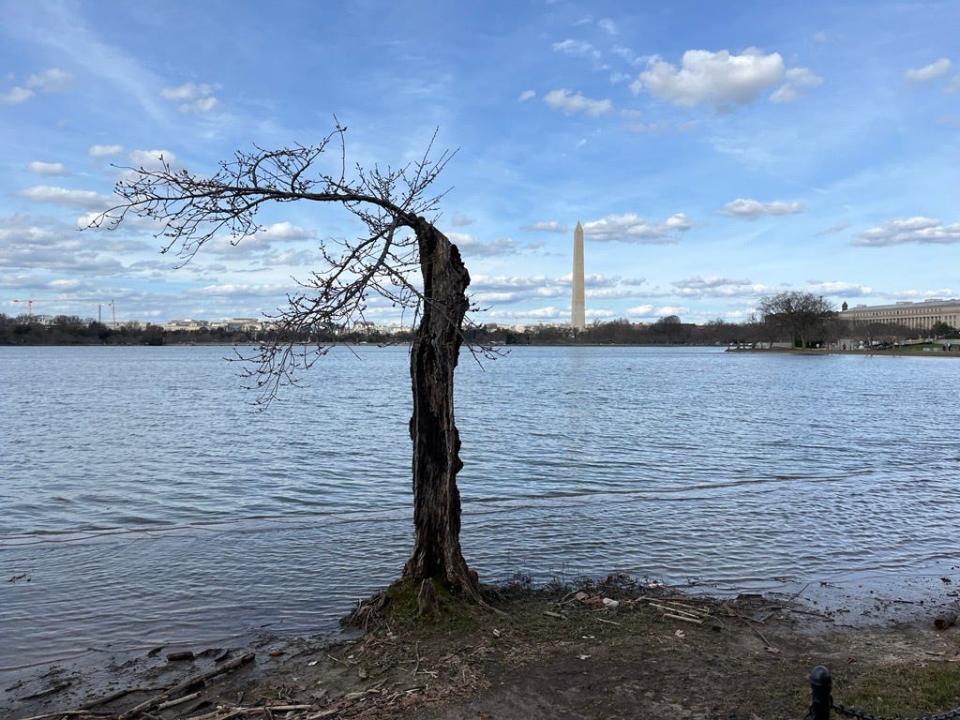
[(763, 149)]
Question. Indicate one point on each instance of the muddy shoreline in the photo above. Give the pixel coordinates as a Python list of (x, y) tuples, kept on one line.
[(614, 648)]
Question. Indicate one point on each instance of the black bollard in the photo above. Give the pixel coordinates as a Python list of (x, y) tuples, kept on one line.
[(821, 692)]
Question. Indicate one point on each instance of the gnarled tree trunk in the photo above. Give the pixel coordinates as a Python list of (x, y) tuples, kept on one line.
[(436, 442)]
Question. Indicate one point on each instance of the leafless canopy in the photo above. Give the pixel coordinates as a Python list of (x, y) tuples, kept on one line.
[(192, 209)]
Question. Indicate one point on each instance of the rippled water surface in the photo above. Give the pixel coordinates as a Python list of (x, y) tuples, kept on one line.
[(147, 502)]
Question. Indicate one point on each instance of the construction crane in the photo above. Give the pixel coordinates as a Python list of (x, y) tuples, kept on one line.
[(113, 308), (29, 304)]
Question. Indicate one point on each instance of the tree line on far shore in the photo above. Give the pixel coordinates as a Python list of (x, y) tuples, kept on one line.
[(801, 319)]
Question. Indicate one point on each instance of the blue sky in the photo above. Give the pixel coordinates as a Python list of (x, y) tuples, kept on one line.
[(715, 152)]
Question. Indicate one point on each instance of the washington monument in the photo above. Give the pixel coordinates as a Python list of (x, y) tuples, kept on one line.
[(577, 313)]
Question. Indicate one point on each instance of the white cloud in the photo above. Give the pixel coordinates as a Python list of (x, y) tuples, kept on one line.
[(576, 48), (16, 95), (52, 80), (569, 102), (834, 229), (461, 220), (626, 54), (796, 79), (474, 247), (284, 231), (546, 226), (64, 196), (526, 95), (838, 288), (920, 294), (750, 209), (551, 312), (721, 79), (632, 228), (45, 168), (42, 245), (934, 70), (716, 286), (608, 26), (507, 289), (902, 231), (192, 97), (104, 150), (151, 159), (649, 312), (241, 289), (821, 38)]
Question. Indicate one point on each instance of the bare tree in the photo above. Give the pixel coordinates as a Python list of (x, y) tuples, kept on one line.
[(800, 315), (398, 212)]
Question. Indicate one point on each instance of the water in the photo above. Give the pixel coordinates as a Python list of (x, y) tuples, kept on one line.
[(148, 503)]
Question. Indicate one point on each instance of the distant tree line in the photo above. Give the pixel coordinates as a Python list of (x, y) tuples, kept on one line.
[(796, 319), (72, 330)]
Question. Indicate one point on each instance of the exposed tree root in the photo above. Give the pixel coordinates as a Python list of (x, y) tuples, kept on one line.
[(428, 602)]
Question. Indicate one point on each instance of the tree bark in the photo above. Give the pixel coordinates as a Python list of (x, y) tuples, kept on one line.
[(436, 442)]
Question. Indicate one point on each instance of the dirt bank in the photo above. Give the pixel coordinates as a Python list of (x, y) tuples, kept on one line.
[(616, 649)]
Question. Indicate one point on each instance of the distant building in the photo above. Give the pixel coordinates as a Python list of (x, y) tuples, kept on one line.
[(242, 325), (186, 325), (918, 315)]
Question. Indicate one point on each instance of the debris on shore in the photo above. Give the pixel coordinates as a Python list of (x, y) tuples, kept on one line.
[(611, 648)]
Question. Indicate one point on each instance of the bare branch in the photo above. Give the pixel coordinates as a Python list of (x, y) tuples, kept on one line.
[(191, 209)]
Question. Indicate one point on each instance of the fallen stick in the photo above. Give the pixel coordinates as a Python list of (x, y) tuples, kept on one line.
[(609, 622), (667, 609), (756, 630), (188, 685), (68, 713), (688, 609), (684, 618), (178, 701), (554, 615), (116, 696)]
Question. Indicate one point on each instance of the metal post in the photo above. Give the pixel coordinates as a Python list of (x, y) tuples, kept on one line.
[(821, 692)]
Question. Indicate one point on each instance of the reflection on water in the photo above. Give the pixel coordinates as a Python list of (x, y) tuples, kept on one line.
[(146, 502)]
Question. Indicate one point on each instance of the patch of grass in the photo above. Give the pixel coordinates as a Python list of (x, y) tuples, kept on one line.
[(908, 690), (455, 615)]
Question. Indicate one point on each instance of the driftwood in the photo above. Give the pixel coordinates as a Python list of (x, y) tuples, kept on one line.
[(684, 618), (225, 713), (178, 701), (187, 685), (68, 713), (116, 696)]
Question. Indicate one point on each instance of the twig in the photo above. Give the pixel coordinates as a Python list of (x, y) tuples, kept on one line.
[(755, 629), (68, 713), (117, 695), (609, 622), (416, 649), (684, 618), (178, 701)]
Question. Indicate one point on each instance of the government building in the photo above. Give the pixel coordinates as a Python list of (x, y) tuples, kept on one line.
[(919, 315)]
